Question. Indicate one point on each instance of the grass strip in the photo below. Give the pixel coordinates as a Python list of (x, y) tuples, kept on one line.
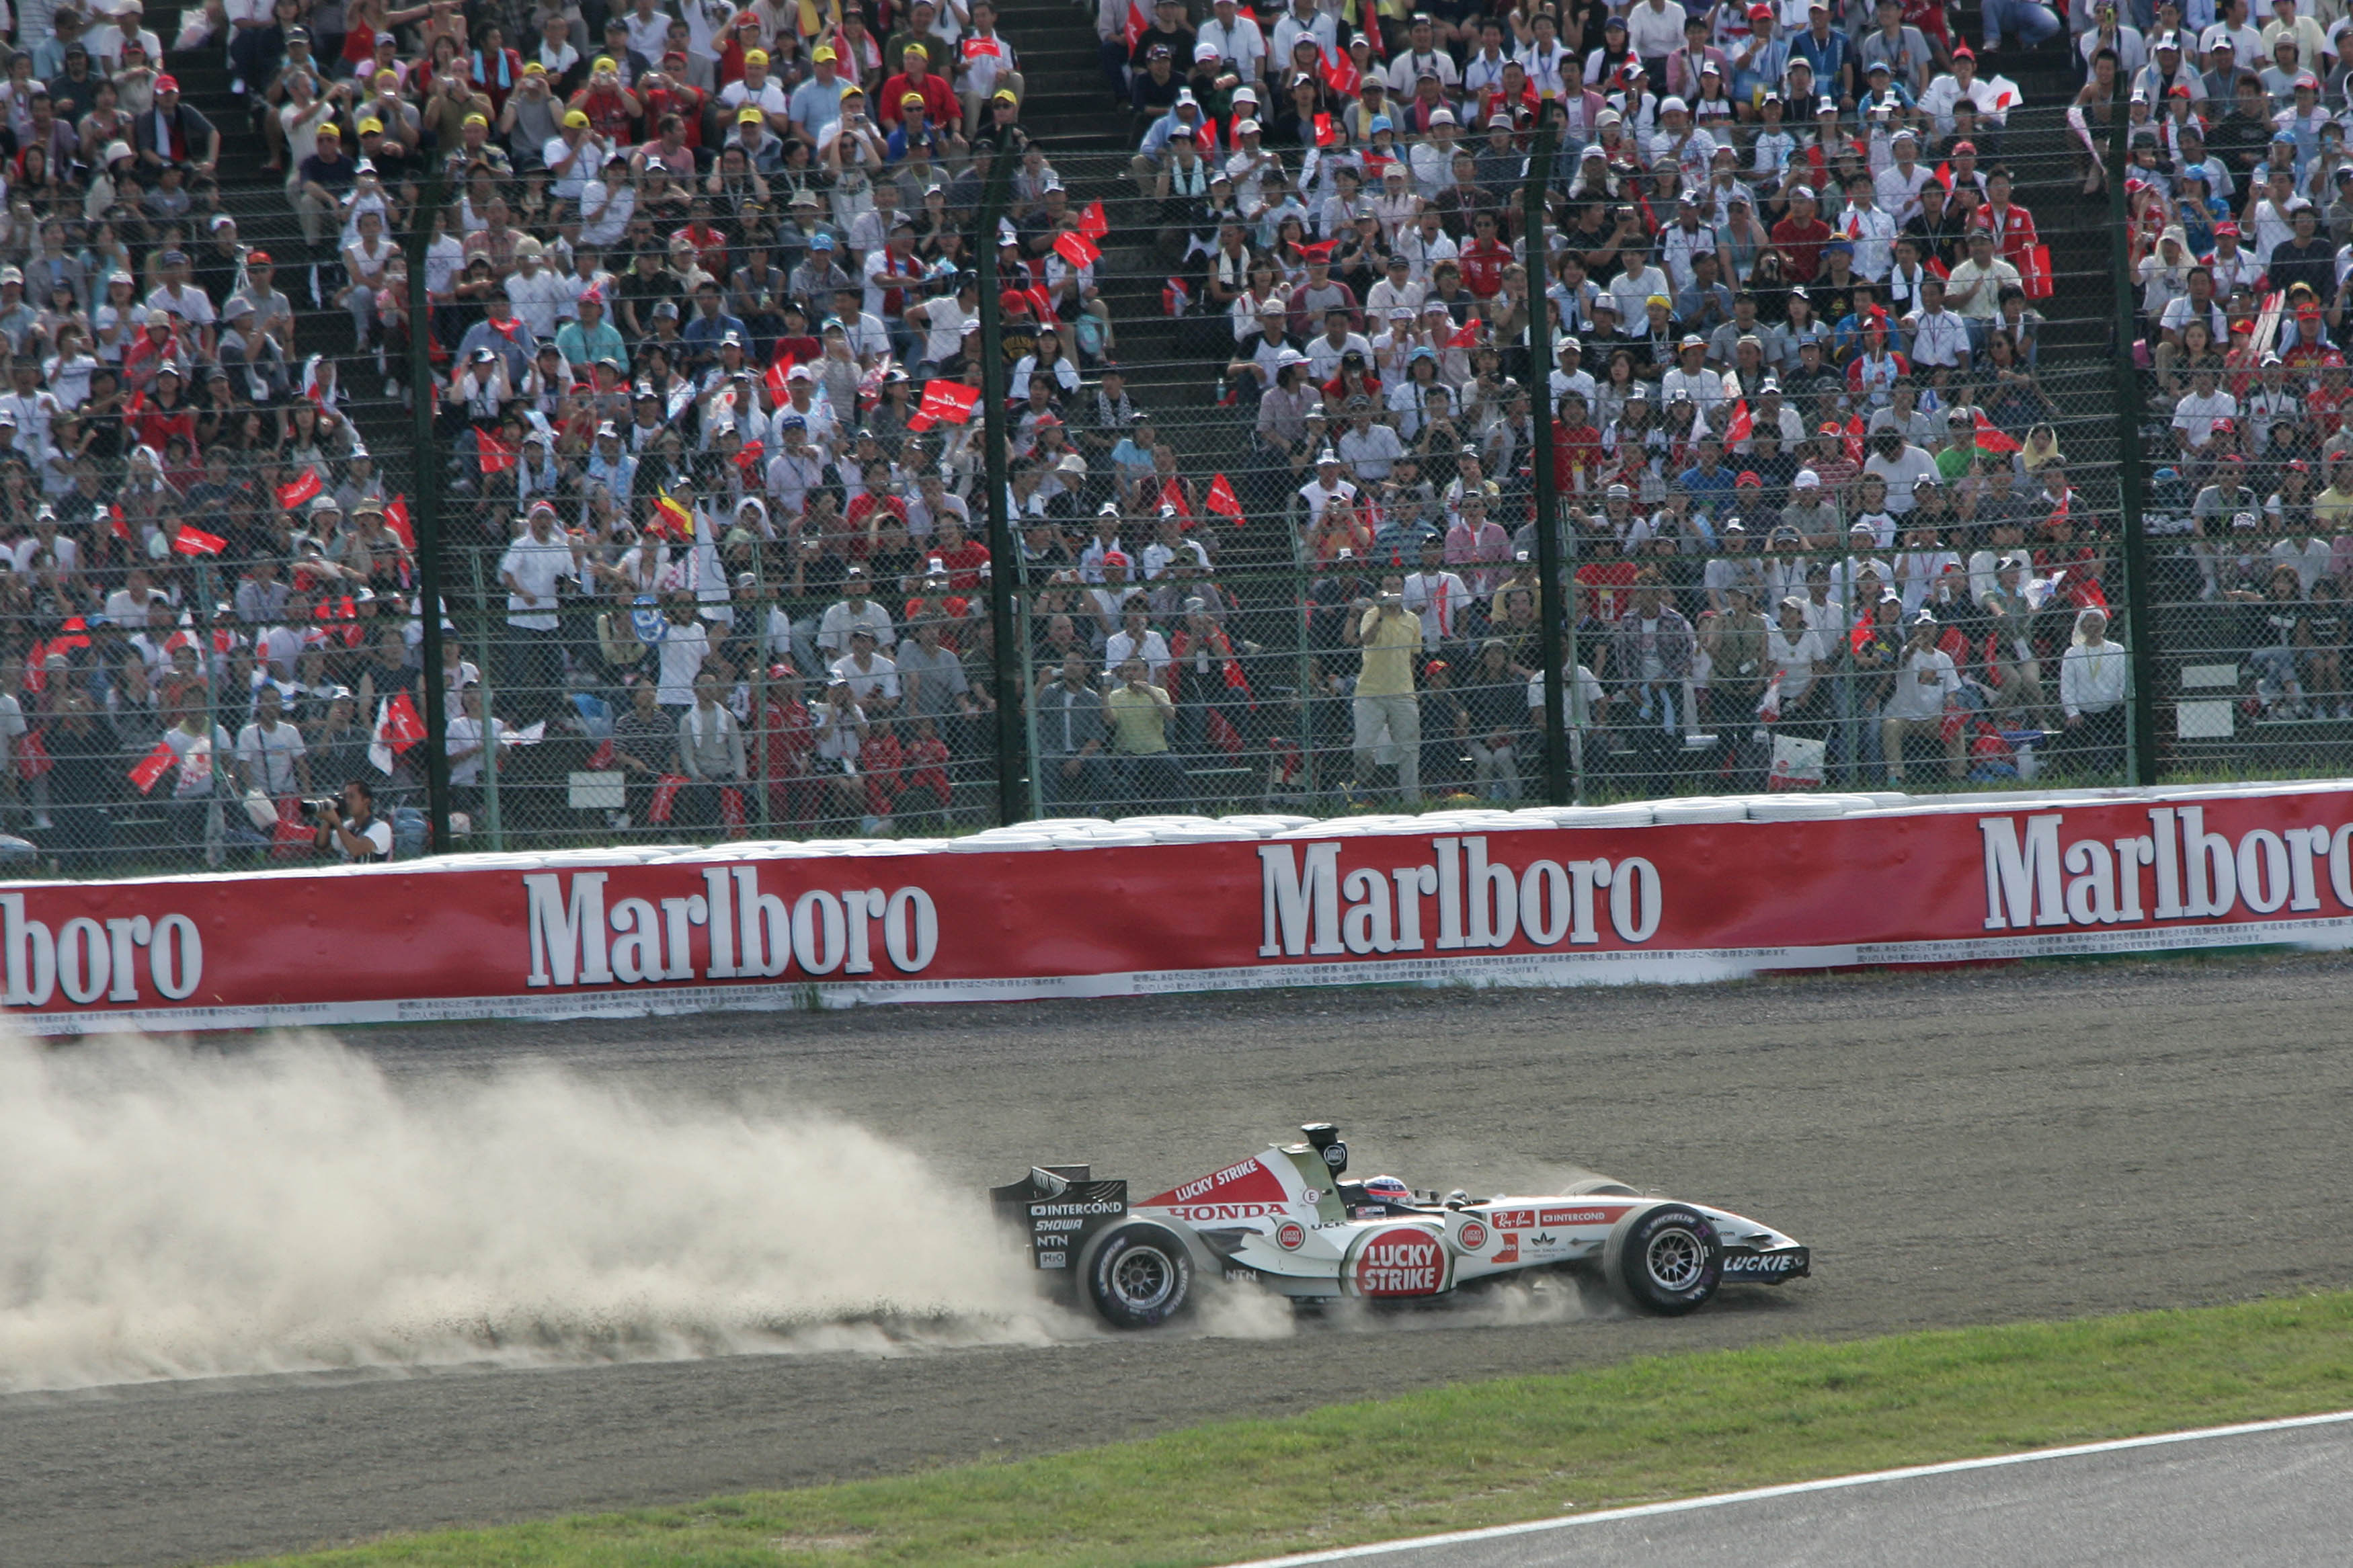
[(1489, 1453)]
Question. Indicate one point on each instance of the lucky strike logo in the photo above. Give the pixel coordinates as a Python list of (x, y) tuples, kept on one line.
[(1291, 1236), (1474, 1237), (1403, 1262), (1200, 1185)]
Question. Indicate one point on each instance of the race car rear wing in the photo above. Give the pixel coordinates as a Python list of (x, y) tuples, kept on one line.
[(1056, 1208)]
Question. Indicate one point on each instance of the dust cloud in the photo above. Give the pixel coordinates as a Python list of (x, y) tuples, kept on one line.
[(176, 1212)]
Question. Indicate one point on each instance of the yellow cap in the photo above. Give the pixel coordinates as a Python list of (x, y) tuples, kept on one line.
[(915, 99), (915, 49), (368, 125), (755, 56), (603, 63), (853, 91), (825, 52), (574, 117), (534, 68), (478, 120), (1003, 95), (750, 116), (387, 79)]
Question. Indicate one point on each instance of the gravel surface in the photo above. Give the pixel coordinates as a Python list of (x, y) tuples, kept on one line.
[(1957, 1147)]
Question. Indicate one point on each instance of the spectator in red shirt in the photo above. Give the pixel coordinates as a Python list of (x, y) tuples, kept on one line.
[(2014, 226), (611, 108), (915, 77), (926, 771), (966, 559), (868, 508), (1483, 260), (162, 412), (1800, 237), (1576, 444)]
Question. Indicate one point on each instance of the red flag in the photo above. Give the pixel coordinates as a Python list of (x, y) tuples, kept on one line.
[(1135, 24), (33, 757), (1465, 335), (1742, 423), (1990, 437), (193, 541), (497, 455), (778, 387), (116, 526), (950, 402), (402, 726), (1853, 439), (154, 766), (1861, 635), (666, 788), (307, 488), (601, 758), (1222, 501), (1172, 493), (748, 457), (1077, 249), (1343, 76), (74, 634), (1093, 223), (1324, 134), (395, 518)]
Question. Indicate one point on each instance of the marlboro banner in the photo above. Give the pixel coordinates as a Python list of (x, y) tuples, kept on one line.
[(1536, 897)]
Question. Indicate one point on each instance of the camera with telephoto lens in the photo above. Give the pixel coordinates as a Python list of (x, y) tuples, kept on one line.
[(319, 810)]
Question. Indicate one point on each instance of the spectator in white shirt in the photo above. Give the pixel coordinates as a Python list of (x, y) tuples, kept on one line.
[(2195, 414), (1940, 340), (270, 752), (872, 679), (1926, 684)]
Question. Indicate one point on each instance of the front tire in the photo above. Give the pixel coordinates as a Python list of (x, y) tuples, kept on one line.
[(1140, 1275), (1664, 1259)]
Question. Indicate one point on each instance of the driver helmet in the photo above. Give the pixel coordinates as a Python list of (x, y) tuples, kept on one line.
[(1388, 1190)]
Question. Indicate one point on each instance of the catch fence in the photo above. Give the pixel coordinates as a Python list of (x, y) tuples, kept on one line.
[(1136, 477)]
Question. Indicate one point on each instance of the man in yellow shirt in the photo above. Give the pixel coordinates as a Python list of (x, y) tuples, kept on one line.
[(2333, 507), (1390, 637), (1140, 714)]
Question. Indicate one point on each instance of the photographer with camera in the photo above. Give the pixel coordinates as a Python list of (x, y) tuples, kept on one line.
[(351, 826)]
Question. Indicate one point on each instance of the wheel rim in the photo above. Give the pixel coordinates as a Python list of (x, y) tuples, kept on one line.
[(1676, 1259), (1142, 1278)]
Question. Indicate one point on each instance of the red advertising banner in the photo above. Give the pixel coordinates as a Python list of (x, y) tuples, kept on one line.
[(1525, 897)]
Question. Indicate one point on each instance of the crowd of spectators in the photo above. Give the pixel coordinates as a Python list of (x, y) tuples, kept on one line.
[(1794, 307), (700, 306)]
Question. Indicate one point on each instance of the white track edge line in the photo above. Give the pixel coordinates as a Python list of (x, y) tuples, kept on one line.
[(1794, 1489)]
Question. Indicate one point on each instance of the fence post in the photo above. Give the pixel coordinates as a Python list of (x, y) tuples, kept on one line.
[(426, 518), (2140, 751), (224, 782), (490, 734), (1003, 553), (766, 606), (1538, 254)]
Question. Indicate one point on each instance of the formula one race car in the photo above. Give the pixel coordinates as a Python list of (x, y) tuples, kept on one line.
[(1290, 1220)]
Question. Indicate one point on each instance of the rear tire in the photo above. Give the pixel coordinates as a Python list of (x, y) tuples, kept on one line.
[(1140, 1275), (1664, 1259)]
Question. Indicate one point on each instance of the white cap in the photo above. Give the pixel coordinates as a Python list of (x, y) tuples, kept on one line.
[(1807, 480)]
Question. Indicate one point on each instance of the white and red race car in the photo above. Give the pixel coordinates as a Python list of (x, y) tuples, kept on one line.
[(1289, 1220)]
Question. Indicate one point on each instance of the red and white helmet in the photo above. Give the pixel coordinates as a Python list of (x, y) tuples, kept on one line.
[(1388, 1190)]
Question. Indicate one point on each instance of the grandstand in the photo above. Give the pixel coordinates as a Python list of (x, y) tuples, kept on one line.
[(1247, 579)]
